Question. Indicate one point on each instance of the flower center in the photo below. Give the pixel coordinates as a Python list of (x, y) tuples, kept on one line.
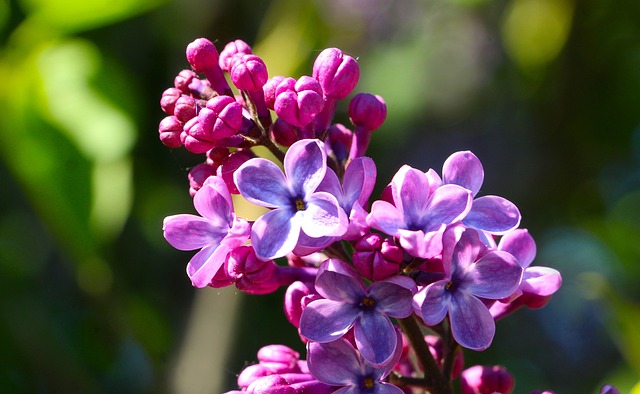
[(369, 383), (300, 206), (368, 302), (451, 286)]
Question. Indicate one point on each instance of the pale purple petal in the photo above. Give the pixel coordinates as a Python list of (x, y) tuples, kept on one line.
[(409, 187), (495, 275), (335, 363), (331, 184), (472, 325), (434, 180), (213, 201), (203, 265), (359, 180), (448, 204), (339, 287), (305, 164), (375, 337), (465, 252), (542, 281), (323, 216), (385, 217), (521, 245), (422, 245), (275, 234), (434, 305), (391, 299), (493, 214), (326, 320), (261, 182), (190, 232), (463, 169), (307, 245)]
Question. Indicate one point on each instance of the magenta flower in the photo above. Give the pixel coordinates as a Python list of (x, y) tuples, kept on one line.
[(216, 232), (492, 214), (338, 363), (298, 207), (420, 211), (472, 271), (347, 303)]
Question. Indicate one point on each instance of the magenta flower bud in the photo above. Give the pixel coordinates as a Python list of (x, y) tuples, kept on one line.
[(168, 100), (221, 118), (371, 262), (191, 143), (198, 175), (230, 164), (203, 57), (269, 90), (216, 155), (279, 354), (252, 373), (249, 73), (289, 384), (231, 52), (283, 132), (221, 278), (252, 275), (170, 129), (337, 73), (183, 80), (338, 142), (185, 108), (367, 111), (484, 379), (293, 302), (297, 102)]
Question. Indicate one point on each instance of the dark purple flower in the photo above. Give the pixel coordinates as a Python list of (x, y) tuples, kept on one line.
[(216, 232), (338, 363), (481, 379), (471, 272), (298, 207), (348, 303)]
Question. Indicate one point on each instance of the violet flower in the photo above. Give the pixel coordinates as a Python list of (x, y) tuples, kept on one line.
[(338, 363), (216, 232), (298, 207), (472, 271), (347, 303), (420, 212)]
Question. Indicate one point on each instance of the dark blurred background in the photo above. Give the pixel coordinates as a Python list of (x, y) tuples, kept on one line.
[(92, 299)]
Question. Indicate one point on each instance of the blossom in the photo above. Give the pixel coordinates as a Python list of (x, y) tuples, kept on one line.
[(347, 303), (472, 271), (216, 232), (338, 363), (481, 379), (420, 212), (297, 206)]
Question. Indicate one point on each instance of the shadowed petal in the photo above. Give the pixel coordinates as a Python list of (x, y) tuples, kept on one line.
[(392, 299), (448, 204), (340, 287), (495, 275), (189, 232), (434, 303), (493, 214), (472, 325), (323, 216), (359, 180), (275, 234), (386, 218), (335, 363), (203, 265), (375, 337), (305, 164), (326, 320), (465, 252), (261, 182), (463, 169), (521, 245)]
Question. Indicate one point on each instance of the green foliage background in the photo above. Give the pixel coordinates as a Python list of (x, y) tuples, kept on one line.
[(545, 92)]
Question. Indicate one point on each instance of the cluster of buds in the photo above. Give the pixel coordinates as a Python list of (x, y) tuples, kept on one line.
[(385, 295)]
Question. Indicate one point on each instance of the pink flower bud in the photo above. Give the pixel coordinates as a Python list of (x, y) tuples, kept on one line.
[(198, 175), (252, 275), (183, 79), (337, 73), (168, 100), (202, 55), (249, 73), (221, 278), (484, 379), (170, 129), (216, 155), (191, 143), (230, 164), (231, 52), (185, 108), (269, 90), (293, 302), (298, 102), (221, 118), (338, 142), (283, 133), (279, 354), (367, 111), (371, 262)]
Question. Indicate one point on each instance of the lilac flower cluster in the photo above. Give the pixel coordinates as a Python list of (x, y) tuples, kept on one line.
[(384, 294)]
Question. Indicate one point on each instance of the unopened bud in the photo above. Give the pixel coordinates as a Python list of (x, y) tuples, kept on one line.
[(249, 73), (232, 52), (486, 379), (337, 73), (297, 102), (170, 129)]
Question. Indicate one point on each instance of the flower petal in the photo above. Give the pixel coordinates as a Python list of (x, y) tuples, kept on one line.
[(335, 363), (493, 214), (419, 244), (385, 217), (448, 204), (410, 189), (375, 337), (359, 180), (261, 182), (213, 201), (327, 320), (338, 281), (275, 234), (323, 216), (189, 232), (520, 244), (463, 169), (495, 275), (472, 325), (305, 164), (542, 281), (465, 252), (392, 299), (203, 265), (434, 301)]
